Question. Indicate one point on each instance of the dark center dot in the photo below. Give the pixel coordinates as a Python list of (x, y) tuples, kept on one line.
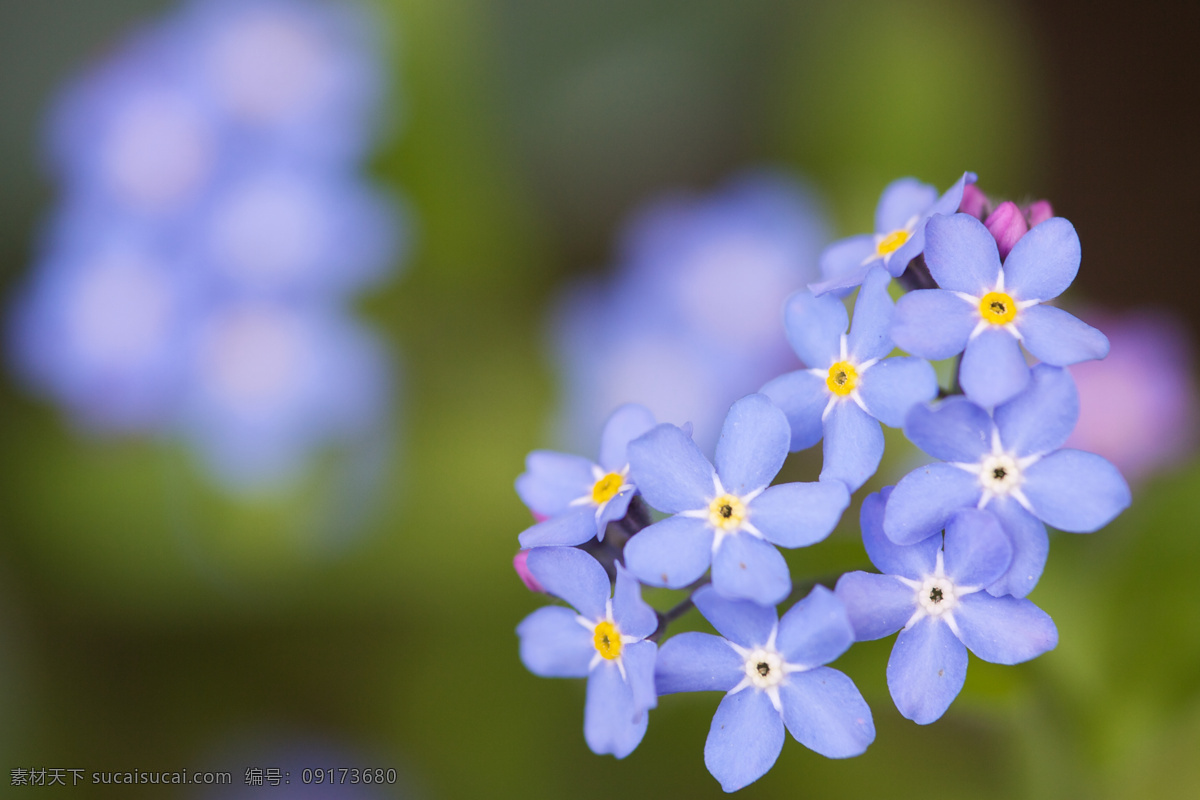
[(763, 668), (840, 378), (726, 511), (604, 639), (999, 308), (935, 594), (999, 473)]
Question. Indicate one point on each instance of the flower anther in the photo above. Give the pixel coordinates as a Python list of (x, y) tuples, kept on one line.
[(842, 378), (765, 669), (607, 640), (607, 487), (998, 308), (937, 595), (888, 243), (727, 512)]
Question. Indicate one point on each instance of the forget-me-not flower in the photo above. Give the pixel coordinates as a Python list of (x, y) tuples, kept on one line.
[(577, 498), (729, 517), (1009, 463), (773, 675), (932, 592), (604, 642), (850, 387), (904, 208), (984, 309)]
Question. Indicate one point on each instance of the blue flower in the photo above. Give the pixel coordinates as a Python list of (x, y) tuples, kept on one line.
[(1009, 463), (604, 642), (932, 593), (983, 309), (727, 517), (900, 218), (849, 384), (773, 675), (576, 498)]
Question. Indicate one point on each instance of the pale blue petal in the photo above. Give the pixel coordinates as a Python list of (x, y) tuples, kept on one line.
[(978, 551), (574, 576), (669, 469), (748, 568), (993, 367), (877, 605), (1040, 418), (925, 498), (753, 445), (576, 526), (870, 332), (962, 256), (626, 424), (1043, 262), (1030, 546), (554, 644), (853, 445), (912, 561), (639, 660), (802, 397), (1059, 338), (1004, 630), (953, 430), (612, 723), (933, 323), (893, 386), (672, 553), (842, 263), (697, 662), (799, 514), (552, 480), (740, 621), (826, 713), (614, 510), (926, 671), (903, 199), (815, 630), (1076, 491), (814, 328), (745, 739), (951, 199), (631, 613)]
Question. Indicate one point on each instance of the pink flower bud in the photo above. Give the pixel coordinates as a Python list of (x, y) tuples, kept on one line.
[(1038, 212), (974, 202), (522, 567), (1007, 225)]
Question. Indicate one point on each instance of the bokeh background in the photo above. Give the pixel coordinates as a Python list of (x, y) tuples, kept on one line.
[(151, 618)]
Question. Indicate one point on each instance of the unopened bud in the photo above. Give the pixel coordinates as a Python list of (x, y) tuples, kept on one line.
[(1007, 225), (521, 565), (1038, 212), (974, 202)]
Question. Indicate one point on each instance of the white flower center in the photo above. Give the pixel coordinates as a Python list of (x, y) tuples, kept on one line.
[(764, 668), (937, 595), (999, 473)]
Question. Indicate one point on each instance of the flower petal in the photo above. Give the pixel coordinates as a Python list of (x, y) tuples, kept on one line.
[(814, 328), (612, 723), (552, 480), (639, 659), (1076, 491), (842, 263), (1059, 338), (912, 561), (978, 551), (554, 644), (826, 713), (870, 332), (669, 469), (802, 397), (926, 671), (993, 367), (877, 605), (961, 254), (1040, 418), (672, 553), (745, 739), (626, 424), (953, 430), (633, 615), (748, 568), (903, 199), (816, 630), (574, 576), (925, 498), (575, 526), (1044, 262), (853, 445), (799, 514), (753, 445), (893, 386), (933, 323), (1030, 547), (1004, 630), (697, 662), (740, 621)]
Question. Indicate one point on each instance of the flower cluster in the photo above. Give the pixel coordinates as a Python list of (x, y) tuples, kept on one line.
[(958, 543), (196, 276)]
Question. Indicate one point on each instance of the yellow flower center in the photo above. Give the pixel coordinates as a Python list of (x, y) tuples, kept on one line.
[(998, 308), (606, 488), (727, 512), (892, 242), (607, 640), (843, 377)]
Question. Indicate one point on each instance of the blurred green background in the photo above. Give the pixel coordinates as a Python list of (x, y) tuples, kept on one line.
[(147, 622)]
